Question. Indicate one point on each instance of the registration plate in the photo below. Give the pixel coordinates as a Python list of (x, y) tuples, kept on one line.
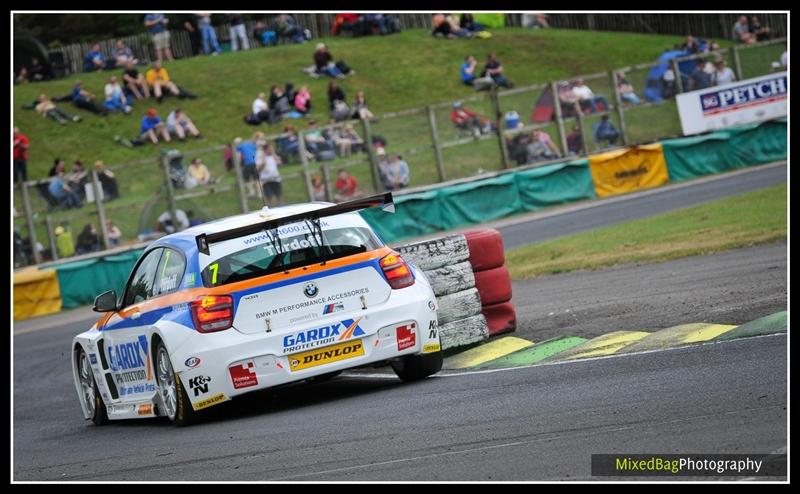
[(326, 355)]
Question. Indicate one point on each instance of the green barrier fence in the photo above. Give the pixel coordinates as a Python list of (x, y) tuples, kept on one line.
[(80, 282)]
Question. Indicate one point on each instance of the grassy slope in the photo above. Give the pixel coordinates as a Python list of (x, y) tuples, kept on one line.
[(739, 221)]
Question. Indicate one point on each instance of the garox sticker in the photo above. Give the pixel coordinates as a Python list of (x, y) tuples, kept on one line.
[(406, 336), (243, 375)]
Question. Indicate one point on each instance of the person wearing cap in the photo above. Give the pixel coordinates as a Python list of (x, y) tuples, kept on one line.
[(723, 74), (152, 127), (115, 97), (323, 61)]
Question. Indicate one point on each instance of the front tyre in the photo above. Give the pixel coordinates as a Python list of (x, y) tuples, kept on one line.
[(416, 367), (91, 396), (173, 397)]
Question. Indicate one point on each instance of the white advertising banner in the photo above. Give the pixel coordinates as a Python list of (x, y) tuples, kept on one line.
[(738, 103)]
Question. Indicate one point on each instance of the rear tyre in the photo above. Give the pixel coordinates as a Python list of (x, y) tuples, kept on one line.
[(91, 396), (416, 367), (173, 396)]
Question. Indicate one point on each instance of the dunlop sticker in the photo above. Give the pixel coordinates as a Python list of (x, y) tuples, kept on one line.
[(214, 400), (326, 355)]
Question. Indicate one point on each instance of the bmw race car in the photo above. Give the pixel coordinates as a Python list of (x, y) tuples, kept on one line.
[(250, 302)]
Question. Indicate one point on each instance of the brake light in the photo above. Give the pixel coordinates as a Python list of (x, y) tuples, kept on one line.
[(397, 272), (212, 313)]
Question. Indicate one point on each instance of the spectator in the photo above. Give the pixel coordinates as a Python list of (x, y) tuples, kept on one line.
[(86, 100), (494, 69), (347, 140), (115, 97), (61, 192), (113, 233), (568, 100), (291, 93), (784, 59), (107, 181), (78, 179), (179, 124), (64, 245), (466, 119), (758, 31), (575, 140), (741, 31), (135, 82), (316, 142), (164, 221), (156, 25), (287, 29), (289, 145), (542, 147), (152, 127), (468, 23), (158, 78), (199, 172), (324, 64), (587, 97), (535, 20), (691, 45), (346, 22), (247, 157), (22, 77), (37, 72), (267, 163), (260, 111), (360, 107), (279, 102), (264, 35), (195, 38), (397, 173), (318, 192), (123, 54), (227, 157), (700, 79), (238, 31), (337, 101), (442, 28), (723, 74), (625, 89), (96, 60), (46, 108), (468, 70), (604, 130), (455, 26), (669, 86), (302, 101), (88, 240), (21, 145), (208, 33), (346, 187)]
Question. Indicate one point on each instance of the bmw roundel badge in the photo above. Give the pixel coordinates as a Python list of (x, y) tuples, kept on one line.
[(310, 290)]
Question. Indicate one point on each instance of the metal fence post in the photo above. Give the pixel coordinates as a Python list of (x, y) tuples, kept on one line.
[(26, 204), (560, 119), (237, 170), (101, 210), (584, 141), (498, 121), (678, 77), (170, 191), (326, 177), (737, 63), (437, 149), (304, 160), (51, 236), (373, 160), (623, 129)]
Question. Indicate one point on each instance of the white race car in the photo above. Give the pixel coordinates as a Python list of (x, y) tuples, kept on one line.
[(250, 302)]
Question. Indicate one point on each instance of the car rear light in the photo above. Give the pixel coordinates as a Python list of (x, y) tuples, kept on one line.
[(212, 313), (397, 272)]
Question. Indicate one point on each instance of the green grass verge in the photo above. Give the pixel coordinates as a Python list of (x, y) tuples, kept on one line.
[(739, 221)]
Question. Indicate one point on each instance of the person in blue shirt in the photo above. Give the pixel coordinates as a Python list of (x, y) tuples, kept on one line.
[(96, 60), (468, 70), (397, 173), (62, 193), (247, 155), (156, 25), (604, 130), (152, 126), (85, 100)]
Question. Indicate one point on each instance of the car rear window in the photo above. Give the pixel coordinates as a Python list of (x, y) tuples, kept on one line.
[(293, 252)]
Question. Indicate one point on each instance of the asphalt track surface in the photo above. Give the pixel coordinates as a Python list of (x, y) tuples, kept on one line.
[(534, 423)]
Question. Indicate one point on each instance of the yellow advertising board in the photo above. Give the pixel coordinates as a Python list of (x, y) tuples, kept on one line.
[(626, 170), (36, 293)]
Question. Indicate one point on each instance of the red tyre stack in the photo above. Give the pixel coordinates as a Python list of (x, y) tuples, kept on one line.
[(487, 257)]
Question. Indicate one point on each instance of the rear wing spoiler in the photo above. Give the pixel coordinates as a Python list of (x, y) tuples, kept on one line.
[(384, 201)]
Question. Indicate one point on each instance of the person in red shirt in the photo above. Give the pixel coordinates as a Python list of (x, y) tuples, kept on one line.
[(21, 144), (346, 186), (466, 119)]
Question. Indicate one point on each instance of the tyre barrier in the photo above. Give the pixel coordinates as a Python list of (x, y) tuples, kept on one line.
[(494, 285), (486, 249), (436, 253), (501, 318), (459, 305), (451, 279), (464, 331)]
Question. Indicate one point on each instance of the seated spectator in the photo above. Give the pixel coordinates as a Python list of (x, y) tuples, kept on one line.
[(468, 23), (494, 69), (265, 36), (741, 31), (267, 164), (199, 172), (158, 78), (291, 93), (289, 145), (86, 100), (360, 107), (536, 20), (455, 26), (316, 143), (699, 78), (123, 55), (397, 173), (64, 245), (346, 23), (227, 157), (61, 192), (466, 119), (324, 64), (37, 71), (135, 82), (115, 97), (442, 28), (288, 30), (568, 100), (468, 70), (164, 221), (348, 141), (346, 187), (302, 101), (723, 74), (152, 127), (587, 98), (113, 233), (575, 141), (260, 112), (78, 179), (337, 102), (761, 33), (541, 147), (46, 108), (318, 192), (179, 124), (88, 240), (625, 89), (107, 181), (96, 60), (247, 151), (279, 102), (23, 76), (692, 45), (604, 130), (668, 85)]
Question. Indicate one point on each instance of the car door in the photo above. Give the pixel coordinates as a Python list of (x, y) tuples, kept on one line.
[(126, 333)]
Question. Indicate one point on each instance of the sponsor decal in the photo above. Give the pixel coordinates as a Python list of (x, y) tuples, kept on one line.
[(331, 308), (137, 389), (214, 400), (734, 98), (243, 375), (93, 358), (192, 362), (189, 280), (433, 329), (133, 376), (131, 361), (325, 335), (180, 307), (311, 290), (431, 347), (406, 336), (431, 305), (312, 303), (199, 384), (326, 355), (146, 409)]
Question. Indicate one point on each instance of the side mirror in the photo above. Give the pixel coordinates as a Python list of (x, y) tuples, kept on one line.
[(105, 302)]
